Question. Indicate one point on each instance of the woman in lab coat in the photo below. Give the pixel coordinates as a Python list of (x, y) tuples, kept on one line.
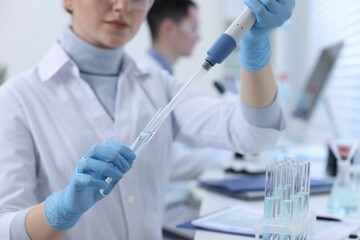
[(85, 91)]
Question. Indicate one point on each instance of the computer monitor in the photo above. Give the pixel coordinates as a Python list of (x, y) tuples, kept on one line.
[(316, 82), (309, 97)]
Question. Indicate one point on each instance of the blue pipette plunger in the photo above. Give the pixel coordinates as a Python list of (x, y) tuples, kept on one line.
[(228, 41)]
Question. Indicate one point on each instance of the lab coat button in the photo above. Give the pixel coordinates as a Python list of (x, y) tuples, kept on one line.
[(130, 199)]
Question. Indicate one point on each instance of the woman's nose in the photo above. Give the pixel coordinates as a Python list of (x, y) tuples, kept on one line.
[(122, 5)]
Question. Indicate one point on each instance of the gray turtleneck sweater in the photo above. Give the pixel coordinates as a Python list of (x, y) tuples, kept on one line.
[(99, 67)]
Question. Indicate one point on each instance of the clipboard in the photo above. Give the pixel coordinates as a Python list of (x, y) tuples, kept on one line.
[(253, 187)]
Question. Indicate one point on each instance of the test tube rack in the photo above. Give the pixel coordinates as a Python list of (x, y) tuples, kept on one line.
[(286, 202)]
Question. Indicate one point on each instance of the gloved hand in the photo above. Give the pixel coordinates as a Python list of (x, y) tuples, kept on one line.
[(255, 50), (111, 159)]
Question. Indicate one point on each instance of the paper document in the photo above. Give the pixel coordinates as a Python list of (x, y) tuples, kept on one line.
[(335, 230), (238, 220)]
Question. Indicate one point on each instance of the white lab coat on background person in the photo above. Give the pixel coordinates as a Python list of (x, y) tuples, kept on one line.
[(50, 117)]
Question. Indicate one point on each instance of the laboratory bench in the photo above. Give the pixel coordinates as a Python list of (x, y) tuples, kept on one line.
[(211, 201)]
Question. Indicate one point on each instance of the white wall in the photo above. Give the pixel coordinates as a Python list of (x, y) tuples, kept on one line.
[(27, 30), (289, 57)]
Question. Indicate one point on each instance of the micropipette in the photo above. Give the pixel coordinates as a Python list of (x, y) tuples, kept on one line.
[(219, 51)]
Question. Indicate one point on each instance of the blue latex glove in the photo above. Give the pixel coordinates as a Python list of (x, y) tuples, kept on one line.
[(255, 49), (111, 159)]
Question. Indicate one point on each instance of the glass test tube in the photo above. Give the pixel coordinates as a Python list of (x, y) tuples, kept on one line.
[(269, 200)]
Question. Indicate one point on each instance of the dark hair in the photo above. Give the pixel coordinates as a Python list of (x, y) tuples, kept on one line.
[(176, 10)]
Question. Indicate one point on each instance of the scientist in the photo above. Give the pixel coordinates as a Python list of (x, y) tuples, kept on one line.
[(86, 90)]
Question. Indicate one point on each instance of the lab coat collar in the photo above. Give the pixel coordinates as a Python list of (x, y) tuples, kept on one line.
[(53, 61), (57, 58)]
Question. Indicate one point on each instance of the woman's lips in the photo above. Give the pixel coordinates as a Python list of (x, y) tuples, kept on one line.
[(117, 24)]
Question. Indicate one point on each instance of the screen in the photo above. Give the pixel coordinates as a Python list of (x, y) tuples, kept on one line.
[(316, 81)]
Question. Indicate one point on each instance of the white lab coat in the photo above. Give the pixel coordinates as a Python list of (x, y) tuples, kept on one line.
[(49, 117)]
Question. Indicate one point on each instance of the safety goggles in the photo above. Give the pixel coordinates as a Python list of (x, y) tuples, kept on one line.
[(191, 28), (142, 5)]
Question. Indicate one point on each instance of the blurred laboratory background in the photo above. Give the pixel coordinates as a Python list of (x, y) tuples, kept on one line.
[(316, 57)]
